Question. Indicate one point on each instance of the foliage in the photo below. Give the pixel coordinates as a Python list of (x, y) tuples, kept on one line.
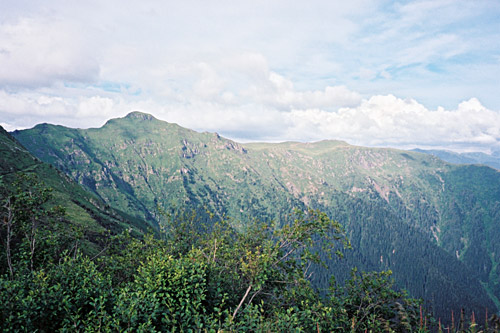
[(218, 279), (32, 233), (70, 295), (371, 302)]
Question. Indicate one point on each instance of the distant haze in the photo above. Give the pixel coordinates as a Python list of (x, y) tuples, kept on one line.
[(404, 74)]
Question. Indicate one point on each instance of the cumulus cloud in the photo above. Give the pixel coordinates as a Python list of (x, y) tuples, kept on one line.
[(381, 120), (40, 52), (279, 92), (259, 70), (391, 121), (240, 79), (26, 109)]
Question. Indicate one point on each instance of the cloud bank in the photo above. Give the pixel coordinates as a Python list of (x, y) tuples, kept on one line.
[(408, 74), (37, 53), (273, 110)]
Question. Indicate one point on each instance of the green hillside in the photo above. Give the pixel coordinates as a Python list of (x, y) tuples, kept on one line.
[(434, 224), (83, 211)]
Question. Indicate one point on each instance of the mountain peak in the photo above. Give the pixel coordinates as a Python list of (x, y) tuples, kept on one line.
[(140, 115), (132, 117)]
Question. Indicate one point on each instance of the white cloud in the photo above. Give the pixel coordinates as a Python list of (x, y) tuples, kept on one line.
[(259, 70), (391, 121), (241, 79), (382, 120), (39, 52), (209, 83), (26, 109), (95, 106), (280, 93), (427, 49)]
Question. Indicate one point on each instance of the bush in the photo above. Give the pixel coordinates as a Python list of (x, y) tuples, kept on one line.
[(64, 296)]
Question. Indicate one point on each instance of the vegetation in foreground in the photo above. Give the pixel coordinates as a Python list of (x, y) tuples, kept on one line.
[(185, 278)]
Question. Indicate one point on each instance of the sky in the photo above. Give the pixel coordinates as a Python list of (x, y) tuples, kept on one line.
[(401, 74)]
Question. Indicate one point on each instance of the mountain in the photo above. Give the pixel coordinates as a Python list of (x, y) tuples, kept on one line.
[(492, 160), (83, 209), (434, 224)]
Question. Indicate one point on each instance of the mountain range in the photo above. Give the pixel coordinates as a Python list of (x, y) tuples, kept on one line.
[(492, 160), (436, 225)]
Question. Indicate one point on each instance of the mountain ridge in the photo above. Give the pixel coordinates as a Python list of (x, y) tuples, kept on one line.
[(139, 163), (492, 160)]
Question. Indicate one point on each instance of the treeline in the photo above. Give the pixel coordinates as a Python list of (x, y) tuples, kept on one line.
[(185, 277)]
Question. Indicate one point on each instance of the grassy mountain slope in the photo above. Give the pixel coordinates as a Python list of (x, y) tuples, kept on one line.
[(138, 163), (83, 209), (433, 223)]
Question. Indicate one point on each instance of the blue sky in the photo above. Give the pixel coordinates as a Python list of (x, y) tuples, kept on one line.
[(378, 73)]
